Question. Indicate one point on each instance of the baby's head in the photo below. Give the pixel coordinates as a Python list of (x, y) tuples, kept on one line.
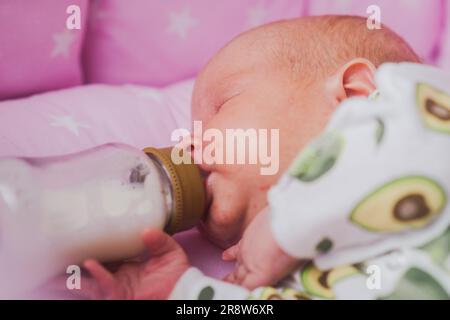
[(288, 75)]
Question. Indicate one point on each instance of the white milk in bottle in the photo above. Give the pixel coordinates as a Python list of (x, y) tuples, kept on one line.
[(59, 211)]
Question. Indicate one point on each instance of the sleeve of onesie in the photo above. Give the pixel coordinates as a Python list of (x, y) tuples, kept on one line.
[(376, 179), (194, 285)]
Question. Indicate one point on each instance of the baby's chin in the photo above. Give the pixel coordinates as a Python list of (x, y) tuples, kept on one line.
[(219, 240)]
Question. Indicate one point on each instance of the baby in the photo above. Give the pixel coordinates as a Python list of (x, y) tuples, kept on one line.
[(289, 75)]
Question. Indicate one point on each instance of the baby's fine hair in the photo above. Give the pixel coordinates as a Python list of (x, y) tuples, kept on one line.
[(319, 45)]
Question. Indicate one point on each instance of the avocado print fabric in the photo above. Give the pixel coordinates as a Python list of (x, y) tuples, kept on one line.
[(389, 184), (318, 158), (434, 106), (409, 203), (367, 202)]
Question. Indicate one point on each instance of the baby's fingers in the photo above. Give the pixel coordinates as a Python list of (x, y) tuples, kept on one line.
[(230, 278), (238, 275), (254, 280), (249, 279), (230, 254)]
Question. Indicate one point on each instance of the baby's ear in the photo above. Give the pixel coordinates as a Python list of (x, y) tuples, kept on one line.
[(355, 78)]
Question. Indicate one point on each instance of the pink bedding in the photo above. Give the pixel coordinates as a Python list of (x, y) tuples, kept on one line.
[(160, 42), (81, 117), (37, 52), (153, 43)]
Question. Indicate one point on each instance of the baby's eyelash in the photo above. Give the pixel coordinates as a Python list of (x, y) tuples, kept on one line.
[(227, 99)]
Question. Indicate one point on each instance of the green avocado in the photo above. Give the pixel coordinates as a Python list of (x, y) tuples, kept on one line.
[(318, 158), (291, 294), (270, 293), (319, 283), (402, 204), (434, 107)]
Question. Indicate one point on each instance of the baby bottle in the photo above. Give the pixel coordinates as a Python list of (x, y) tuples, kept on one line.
[(59, 211)]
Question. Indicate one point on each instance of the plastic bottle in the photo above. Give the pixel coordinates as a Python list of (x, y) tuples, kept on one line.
[(59, 211)]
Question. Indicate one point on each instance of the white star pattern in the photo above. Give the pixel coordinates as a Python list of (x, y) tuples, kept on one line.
[(181, 22), (69, 123), (62, 42), (256, 15)]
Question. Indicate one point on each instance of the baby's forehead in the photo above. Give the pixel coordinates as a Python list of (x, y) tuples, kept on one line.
[(252, 51)]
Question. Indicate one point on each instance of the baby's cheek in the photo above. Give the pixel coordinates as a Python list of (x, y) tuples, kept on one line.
[(256, 205), (223, 218)]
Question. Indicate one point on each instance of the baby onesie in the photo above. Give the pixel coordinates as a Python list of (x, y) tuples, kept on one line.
[(366, 203)]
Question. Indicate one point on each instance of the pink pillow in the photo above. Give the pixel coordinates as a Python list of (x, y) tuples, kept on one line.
[(74, 119), (37, 51), (158, 42), (418, 21)]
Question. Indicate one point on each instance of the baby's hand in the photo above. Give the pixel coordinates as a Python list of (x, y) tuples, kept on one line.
[(259, 259), (152, 279)]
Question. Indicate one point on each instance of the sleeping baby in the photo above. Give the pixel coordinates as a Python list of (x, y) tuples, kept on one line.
[(360, 212)]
